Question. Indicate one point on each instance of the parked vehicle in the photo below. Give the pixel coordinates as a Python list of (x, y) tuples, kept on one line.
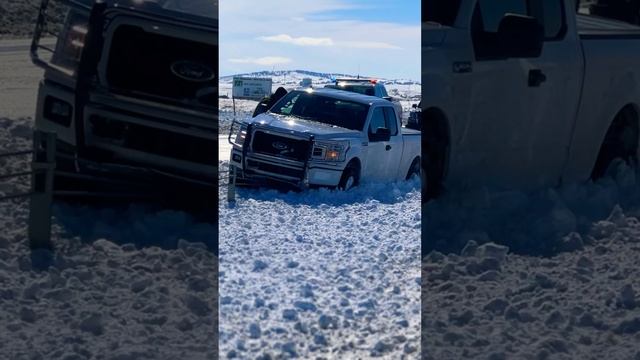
[(131, 90), (415, 117), (525, 94), (325, 137), (371, 87)]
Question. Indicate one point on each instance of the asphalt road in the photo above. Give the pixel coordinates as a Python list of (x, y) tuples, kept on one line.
[(19, 80)]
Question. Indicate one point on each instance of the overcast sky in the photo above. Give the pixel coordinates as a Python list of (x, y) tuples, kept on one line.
[(377, 38)]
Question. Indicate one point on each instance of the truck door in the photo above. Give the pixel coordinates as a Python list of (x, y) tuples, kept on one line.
[(521, 109), (384, 151), (553, 84), (394, 147), (376, 167)]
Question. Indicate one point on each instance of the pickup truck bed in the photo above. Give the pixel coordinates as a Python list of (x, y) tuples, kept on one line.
[(594, 27), (406, 131)]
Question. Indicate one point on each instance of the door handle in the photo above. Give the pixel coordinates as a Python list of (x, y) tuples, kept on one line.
[(536, 78), (388, 147)]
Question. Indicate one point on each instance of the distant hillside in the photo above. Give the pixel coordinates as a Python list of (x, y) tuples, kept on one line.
[(294, 77)]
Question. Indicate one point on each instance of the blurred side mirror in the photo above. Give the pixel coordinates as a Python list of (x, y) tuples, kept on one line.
[(520, 36), (381, 134)]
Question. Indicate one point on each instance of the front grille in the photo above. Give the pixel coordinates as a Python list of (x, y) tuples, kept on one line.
[(158, 66), (154, 141), (283, 147), (275, 169)]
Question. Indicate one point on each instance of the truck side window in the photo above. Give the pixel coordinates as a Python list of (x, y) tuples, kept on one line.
[(286, 107), (489, 13), (492, 11), (377, 120), (391, 120), (550, 14)]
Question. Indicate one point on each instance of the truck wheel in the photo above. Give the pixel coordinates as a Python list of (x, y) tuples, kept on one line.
[(350, 177), (620, 142), (414, 169)]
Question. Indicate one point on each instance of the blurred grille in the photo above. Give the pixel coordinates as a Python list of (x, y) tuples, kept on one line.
[(280, 146), (275, 169), (155, 141), (155, 65)]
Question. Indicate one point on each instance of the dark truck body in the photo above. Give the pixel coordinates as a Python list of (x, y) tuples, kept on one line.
[(131, 91)]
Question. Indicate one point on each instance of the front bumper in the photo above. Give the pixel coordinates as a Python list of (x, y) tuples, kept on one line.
[(257, 168), (133, 140)]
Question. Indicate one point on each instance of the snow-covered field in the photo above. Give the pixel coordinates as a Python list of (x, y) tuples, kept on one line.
[(319, 274), (126, 283), (566, 289)]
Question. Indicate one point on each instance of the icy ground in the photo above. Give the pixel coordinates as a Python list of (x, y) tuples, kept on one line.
[(131, 283), (566, 287), (320, 274)]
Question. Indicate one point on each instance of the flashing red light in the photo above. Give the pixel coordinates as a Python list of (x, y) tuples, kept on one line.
[(374, 81)]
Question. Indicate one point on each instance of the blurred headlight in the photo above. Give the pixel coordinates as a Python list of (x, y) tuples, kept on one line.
[(241, 136), (330, 150)]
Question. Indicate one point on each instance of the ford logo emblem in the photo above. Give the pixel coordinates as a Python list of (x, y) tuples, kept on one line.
[(279, 146), (192, 71)]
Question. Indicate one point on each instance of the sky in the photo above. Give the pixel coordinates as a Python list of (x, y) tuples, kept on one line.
[(367, 37)]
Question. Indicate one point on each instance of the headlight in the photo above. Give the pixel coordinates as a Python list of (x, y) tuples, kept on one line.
[(241, 136), (70, 48), (330, 150)]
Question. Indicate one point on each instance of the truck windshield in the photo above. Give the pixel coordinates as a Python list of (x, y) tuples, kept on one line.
[(323, 109), (443, 12)]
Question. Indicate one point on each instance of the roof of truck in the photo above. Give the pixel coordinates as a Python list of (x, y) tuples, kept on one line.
[(349, 96), (203, 12)]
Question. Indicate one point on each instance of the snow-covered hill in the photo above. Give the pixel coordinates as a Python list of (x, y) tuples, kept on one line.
[(294, 77)]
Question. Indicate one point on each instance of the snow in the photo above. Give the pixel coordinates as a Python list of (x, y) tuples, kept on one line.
[(552, 274), (319, 274), (133, 282)]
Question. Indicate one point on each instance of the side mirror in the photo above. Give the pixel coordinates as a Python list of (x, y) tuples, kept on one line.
[(381, 134), (520, 36)]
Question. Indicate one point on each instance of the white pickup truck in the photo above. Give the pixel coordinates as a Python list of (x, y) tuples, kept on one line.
[(525, 93), (325, 137)]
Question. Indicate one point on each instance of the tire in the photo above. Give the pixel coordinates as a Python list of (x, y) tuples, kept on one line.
[(432, 171), (350, 178), (415, 169), (620, 142)]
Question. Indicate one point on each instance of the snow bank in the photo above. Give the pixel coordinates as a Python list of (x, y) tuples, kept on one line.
[(321, 273), (130, 283), (540, 223), (494, 297)]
